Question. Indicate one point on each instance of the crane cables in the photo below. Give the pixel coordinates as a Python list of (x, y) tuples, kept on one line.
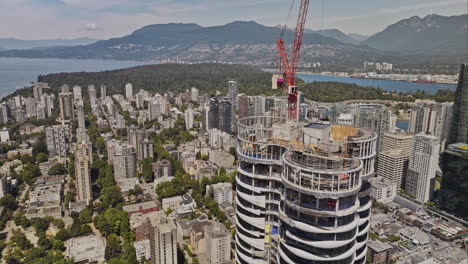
[(287, 18)]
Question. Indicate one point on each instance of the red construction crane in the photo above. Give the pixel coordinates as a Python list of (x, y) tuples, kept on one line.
[(286, 68)]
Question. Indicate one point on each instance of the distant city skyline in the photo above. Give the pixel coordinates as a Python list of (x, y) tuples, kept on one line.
[(47, 19)]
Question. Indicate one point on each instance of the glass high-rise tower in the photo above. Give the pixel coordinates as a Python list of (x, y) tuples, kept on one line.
[(459, 126)]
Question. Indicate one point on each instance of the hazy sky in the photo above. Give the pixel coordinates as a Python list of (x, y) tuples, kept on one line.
[(43, 19)]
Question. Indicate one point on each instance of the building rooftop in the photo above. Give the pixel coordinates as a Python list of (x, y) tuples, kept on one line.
[(378, 246), (459, 147), (140, 206), (317, 126), (88, 248)]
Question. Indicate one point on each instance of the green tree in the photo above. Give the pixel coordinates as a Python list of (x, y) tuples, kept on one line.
[(86, 216), (147, 171), (57, 169), (113, 247), (101, 144), (20, 240), (8, 202), (62, 234), (25, 159), (41, 157), (111, 197)]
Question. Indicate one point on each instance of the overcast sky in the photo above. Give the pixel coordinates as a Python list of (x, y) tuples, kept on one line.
[(45, 19)]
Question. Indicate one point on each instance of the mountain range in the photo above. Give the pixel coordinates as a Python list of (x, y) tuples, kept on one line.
[(13, 43), (415, 41), (431, 34)]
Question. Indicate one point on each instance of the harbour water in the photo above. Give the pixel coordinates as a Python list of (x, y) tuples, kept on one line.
[(16, 73), (392, 86)]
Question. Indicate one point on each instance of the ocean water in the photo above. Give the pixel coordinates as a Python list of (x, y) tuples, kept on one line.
[(403, 124), (398, 86), (17, 72)]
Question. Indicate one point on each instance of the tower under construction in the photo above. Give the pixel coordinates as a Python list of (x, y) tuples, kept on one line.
[(302, 194)]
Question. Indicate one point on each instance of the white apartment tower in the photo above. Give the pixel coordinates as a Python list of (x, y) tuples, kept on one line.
[(422, 167), (222, 193), (194, 94), (77, 95), (394, 157), (103, 92), (128, 91), (217, 243), (189, 118), (163, 239)]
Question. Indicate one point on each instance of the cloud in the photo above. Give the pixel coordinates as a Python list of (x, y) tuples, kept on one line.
[(398, 10), (91, 27)]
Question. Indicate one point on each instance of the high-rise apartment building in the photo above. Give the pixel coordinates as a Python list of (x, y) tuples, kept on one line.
[(453, 195), (222, 193), (431, 118), (243, 106), (77, 93), (80, 114), (37, 92), (397, 140), (220, 114), (30, 104), (194, 94), (124, 160), (188, 115), (300, 192), (3, 113), (140, 100), (217, 243), (145, 149), (58, 140), (82, 171), (65, 89), (394, 157), (163, 239), (422, 167), (128, 91), (162, 168), (459, 126), (66, 106), (103, 92), (375, 117), (233, 91), (92, 94), (139, 140)]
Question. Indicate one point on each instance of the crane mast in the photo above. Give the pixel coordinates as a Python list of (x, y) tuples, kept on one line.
[(285, 76)]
